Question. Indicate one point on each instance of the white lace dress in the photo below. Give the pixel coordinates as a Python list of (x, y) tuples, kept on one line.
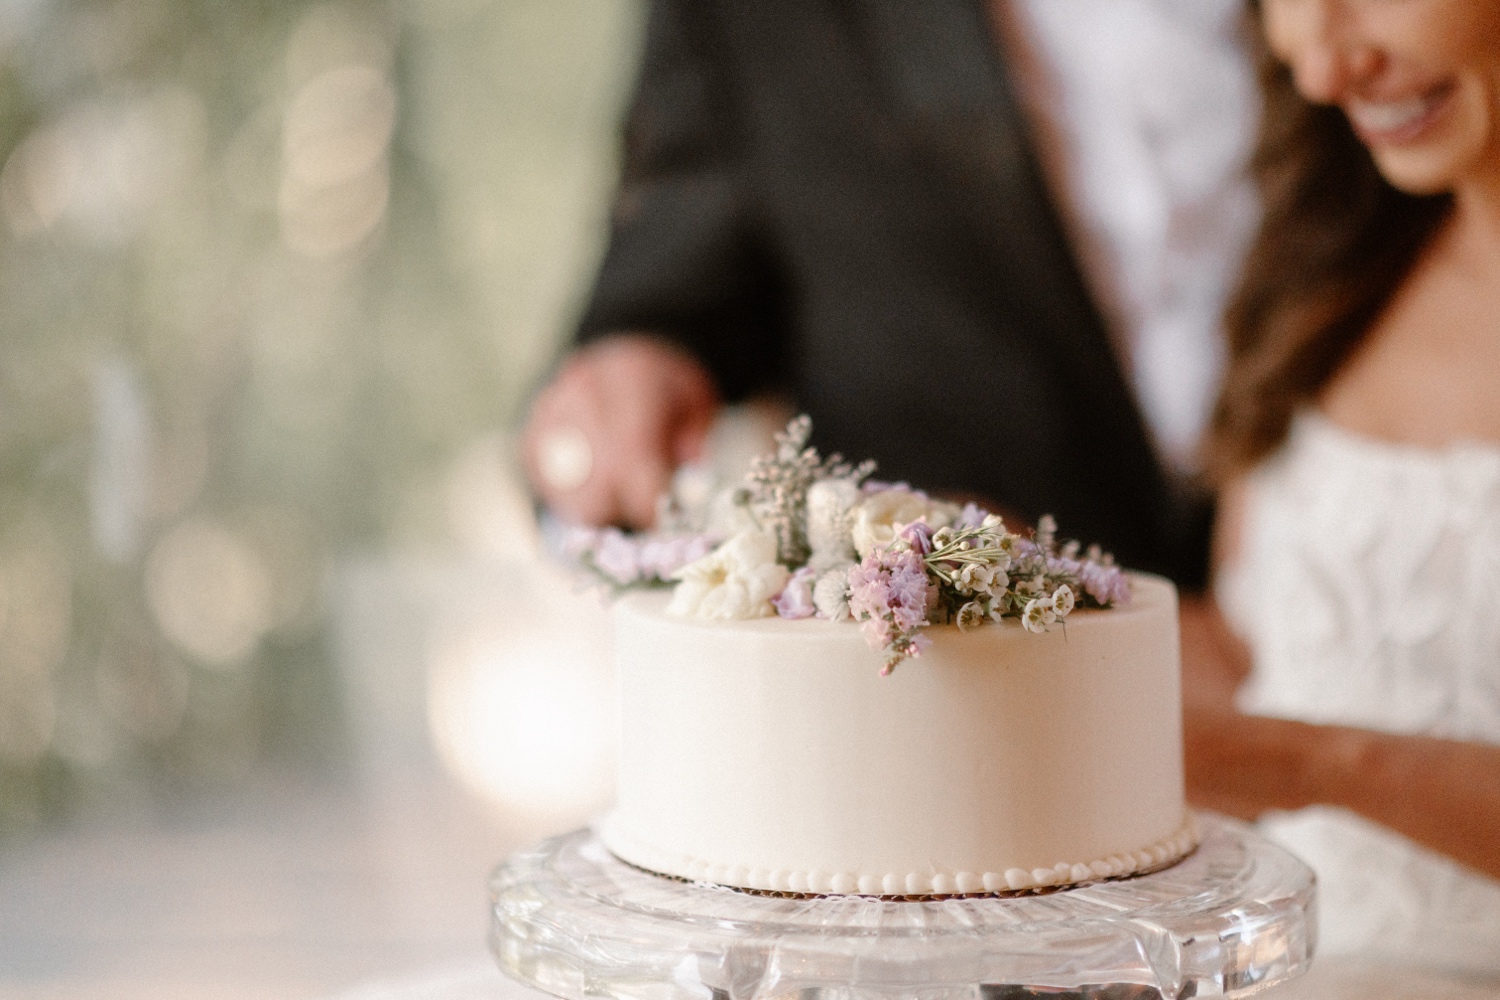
[(1368, 588)]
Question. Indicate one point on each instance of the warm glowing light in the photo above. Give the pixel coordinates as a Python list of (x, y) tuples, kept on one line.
[(209, 591), (322, 222), (337, 182), (338, 126), (36, 589), (35, 183), (104, 164), (526, 721)]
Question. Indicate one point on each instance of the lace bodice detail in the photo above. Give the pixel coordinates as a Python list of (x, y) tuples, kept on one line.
[(1367, 585)]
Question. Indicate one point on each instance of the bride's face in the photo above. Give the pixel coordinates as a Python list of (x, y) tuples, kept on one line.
[(1418, 79)]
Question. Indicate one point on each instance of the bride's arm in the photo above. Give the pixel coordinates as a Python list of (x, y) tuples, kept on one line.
[(1441, 793)]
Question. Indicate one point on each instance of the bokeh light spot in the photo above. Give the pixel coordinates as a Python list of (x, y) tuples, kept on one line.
[(36, 182), (210, 592), (526, 723), (322, 222), (36, 582), (338, 126)]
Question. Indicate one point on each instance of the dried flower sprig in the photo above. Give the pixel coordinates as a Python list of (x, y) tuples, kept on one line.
[(775, 490), (977, 573)]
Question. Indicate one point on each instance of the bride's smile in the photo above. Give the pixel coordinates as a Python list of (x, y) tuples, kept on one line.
[(1418, 79), (1398, 121)]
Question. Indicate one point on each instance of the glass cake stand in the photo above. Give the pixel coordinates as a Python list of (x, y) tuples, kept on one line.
[(1231, 919)]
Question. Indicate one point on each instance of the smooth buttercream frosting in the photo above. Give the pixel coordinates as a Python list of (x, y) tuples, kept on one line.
[(770, 754)]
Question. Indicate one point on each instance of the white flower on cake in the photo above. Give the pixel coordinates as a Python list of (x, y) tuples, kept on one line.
[(831, 593), (880, 515), (983, 578), (1037, 615), (736, 580), (969, 616), (830, 507)]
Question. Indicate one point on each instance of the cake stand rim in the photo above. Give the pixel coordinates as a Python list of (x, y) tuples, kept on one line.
[(1291, 904)]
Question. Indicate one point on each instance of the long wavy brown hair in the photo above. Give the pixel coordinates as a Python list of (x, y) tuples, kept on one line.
[(1335, 241)]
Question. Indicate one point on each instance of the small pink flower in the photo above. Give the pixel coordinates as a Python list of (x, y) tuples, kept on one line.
[(892, 594)]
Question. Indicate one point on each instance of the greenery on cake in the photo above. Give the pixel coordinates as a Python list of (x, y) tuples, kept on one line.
[(777, 486), (806, 536)]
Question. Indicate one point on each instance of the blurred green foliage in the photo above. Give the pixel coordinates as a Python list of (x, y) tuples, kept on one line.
[(264, 269)]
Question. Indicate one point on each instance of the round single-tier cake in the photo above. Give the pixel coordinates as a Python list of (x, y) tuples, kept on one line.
[(771, 754)]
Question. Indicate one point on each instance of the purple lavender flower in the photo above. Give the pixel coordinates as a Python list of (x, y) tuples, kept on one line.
[(902, 646), (1105, 583), (907, 619), (869, 588), (654, 555), (661, 556), (617, 557), (1060, 566), (880, 486), (891, 593), (578, 540), (796, 598), (908, 589), (625, 560), (918, 535), (972, 516)]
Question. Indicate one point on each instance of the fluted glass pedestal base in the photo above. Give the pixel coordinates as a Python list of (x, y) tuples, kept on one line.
[(1231, 919)]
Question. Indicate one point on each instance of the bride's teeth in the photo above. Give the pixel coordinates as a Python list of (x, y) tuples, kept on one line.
[(1387, 116)]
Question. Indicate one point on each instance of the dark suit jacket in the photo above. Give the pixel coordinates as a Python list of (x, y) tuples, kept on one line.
[(836, 198)]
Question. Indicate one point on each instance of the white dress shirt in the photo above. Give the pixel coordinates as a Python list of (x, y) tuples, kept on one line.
[(1145, 112)]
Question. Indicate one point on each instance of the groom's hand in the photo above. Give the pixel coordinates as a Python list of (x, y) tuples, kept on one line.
[(604, 437)]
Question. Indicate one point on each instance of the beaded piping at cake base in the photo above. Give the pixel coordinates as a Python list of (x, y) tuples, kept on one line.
[(1013, 882)]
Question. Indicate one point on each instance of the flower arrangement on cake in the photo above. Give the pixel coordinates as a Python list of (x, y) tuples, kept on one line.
[(808, 536)]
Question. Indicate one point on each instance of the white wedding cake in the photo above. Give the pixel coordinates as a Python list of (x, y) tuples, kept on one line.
[(771, 754), (1031, 737)]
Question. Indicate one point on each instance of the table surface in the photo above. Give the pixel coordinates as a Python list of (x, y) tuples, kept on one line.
[(288, 890), (293, 890)]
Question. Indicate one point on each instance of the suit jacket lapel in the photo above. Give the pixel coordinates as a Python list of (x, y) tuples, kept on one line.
[(948, 78)]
